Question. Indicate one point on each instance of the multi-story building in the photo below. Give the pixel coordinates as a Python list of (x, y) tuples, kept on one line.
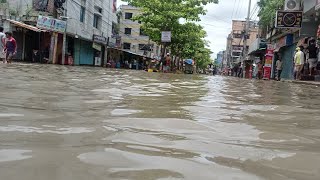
[(220, 57), (285, 40), (133, 38), (90, 25), (236, 39)]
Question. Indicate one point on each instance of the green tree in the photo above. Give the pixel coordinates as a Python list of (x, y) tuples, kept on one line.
[(164, 15), (268, 10)]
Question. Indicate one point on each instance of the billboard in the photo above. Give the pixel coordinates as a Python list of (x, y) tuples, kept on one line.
[(51, 24)]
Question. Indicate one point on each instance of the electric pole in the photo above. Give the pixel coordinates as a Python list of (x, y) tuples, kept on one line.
[(245, 41)]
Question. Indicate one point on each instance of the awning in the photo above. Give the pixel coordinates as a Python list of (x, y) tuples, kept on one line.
[(21, 24), (127, 51)]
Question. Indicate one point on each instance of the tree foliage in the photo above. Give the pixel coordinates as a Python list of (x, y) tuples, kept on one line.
[(268, 10), (166, 15)]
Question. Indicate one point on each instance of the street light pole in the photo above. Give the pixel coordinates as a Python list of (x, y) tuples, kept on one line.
[(245, 41)]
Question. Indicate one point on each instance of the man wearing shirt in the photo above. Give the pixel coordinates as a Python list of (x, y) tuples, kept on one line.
[(312, 54), (279, 69), (10, 47), (298, 63), (2, 45)]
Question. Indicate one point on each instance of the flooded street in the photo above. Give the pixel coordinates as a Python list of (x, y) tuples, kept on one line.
[(81, 123)]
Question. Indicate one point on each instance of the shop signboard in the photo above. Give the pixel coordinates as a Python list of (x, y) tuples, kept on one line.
[(96, 46), (112, 41), (99, 39), (51, 24), (289, 19), (166, 36)]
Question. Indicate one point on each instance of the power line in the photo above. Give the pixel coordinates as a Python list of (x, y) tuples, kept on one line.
[(239, 13), (234, 5), (237, 7)]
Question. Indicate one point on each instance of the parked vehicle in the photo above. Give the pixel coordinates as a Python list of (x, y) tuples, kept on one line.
[(188, 66)]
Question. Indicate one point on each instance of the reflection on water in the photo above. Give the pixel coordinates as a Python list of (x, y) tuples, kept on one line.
[(92, 123), (7, 155)]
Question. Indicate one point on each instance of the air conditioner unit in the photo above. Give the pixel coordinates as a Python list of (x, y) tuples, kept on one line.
[(292, 5)]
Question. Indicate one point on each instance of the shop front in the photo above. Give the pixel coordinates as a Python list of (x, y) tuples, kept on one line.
[(98, 45), (32, 42), (284, 50), (257, 52)]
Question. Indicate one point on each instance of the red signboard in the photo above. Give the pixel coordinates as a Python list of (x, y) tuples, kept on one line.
[(268, 62), (267, 72)]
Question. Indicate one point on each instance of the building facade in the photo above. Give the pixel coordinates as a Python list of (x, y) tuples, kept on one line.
[(235, 40), (285, 40), (220, 58), (133, 38), (89, 27)]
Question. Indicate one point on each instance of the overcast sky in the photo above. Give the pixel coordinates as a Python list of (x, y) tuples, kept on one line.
[(218, 20)]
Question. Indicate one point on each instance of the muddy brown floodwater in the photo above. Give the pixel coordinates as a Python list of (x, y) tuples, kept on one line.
[(86, 123)]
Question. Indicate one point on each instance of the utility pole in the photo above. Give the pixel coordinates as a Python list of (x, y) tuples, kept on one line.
[(245, 41)]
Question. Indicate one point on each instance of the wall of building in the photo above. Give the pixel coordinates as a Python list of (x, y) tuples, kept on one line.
[(135, 38), (85, 29)]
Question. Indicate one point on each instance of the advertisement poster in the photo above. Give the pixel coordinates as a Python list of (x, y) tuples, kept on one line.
[(267, 73), (51, 24), (268, 62)]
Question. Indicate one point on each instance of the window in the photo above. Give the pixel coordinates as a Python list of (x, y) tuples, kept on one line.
[(128, 15), (142, 33), (82, 13), (127, 31), (126, 46), (98, 9), (237, 34), (145, 47), (97, 21)]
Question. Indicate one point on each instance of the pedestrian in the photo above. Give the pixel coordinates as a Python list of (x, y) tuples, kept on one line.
[(2, 45), (168, 62), (279, 69), (240, 70), (312, 56), (299, 61), (10, 47)]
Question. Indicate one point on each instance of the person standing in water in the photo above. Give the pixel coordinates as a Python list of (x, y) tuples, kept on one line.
[(2, 46), (10, 47), (279, 69)]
